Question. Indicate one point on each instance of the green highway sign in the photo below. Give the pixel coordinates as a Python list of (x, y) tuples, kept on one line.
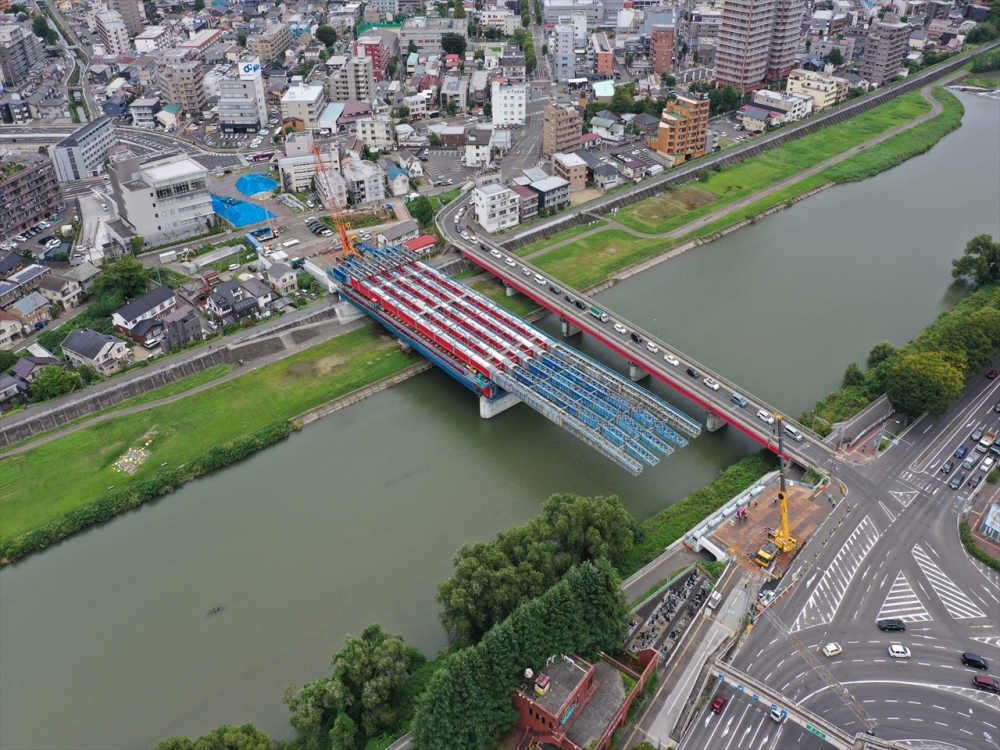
[(819, 733)]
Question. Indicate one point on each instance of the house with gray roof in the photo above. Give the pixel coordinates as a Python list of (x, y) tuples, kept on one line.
[(27, 368), (406, 230), (154, 304), (31, 309), (104, 353)]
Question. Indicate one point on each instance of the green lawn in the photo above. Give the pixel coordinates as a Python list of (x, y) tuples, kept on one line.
[(592, 259), (518, 304), (559, 237), (468, 273), (45, 482), (747, 177)]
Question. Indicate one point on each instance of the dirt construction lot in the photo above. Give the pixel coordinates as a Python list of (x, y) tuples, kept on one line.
[(669, 205)]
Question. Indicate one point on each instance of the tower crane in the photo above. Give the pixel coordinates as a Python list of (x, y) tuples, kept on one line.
[(339, 223), (780, 538)]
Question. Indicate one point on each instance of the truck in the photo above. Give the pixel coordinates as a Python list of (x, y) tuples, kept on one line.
[(168, 257), (987, 442), (600, 314)]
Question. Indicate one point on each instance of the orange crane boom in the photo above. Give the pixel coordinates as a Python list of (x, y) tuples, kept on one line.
[(338, 219)]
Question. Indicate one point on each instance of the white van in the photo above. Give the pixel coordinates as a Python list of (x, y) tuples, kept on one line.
[(793, 433), (987, 464)]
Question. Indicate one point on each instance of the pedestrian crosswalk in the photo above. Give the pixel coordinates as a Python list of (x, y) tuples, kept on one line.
[(902, 603), (958, 604), (989, 640), (826, 597)]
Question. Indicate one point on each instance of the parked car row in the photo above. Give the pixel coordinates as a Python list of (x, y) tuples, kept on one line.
[(316, 228)]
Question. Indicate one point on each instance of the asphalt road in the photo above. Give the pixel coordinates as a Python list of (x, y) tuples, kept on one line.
[(895, 554)]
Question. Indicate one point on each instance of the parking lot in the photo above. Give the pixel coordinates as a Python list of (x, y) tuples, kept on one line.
[(446, 164)]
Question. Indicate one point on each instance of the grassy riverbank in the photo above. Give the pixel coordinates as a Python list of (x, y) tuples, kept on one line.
[(566, 234), (44, 483), (590, 260)]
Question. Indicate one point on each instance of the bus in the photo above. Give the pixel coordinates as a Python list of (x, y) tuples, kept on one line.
[(290, 243), (262, 156)]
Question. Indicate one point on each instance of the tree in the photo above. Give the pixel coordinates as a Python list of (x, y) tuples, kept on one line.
[(87, 374), (136, 243), (453, 44), (623, 99), (835, 58), (403, 112), (305, 280), (40, 28), (411, 47), (853, 376), (199, 5), (880, 353), (127, 278), (545, 49), (980, 261), (52, 382), (667, 80), (7, 360), (422, 210), (327, 35), (452, 107), (241, 40), (459, 9), (488, 109), (434, 139), (924, 382), (391, 67)]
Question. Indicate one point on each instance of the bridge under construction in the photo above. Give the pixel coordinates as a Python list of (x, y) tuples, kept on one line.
[(505, 360)]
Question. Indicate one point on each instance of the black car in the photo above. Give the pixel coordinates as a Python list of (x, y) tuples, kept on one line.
[(484, 247), (555, 289), (692, 372), (895, 625), (956, 482), (975, 480), (570, 298), (947, 466), (636, 337), (974, 660), (43, 240), (580, 304)]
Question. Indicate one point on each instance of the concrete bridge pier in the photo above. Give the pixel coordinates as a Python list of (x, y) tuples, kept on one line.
[(511, 291), (636, 373), (489, 409), (568, 329), (713, 422)]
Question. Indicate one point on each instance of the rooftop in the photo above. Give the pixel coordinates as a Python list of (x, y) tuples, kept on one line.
[(549, 183), (602, 706), (570, 160), (563, 676), (302, 94)]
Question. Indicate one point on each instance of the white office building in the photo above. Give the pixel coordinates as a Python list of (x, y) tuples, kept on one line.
[(496, 207), (377, 132), (509, 101), (365, 180), (83, 154), (563, 53), (242, 99), (305, 103), (113, 33)]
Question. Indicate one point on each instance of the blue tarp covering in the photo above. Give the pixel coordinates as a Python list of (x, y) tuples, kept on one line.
[(240, 213), (251, 184)]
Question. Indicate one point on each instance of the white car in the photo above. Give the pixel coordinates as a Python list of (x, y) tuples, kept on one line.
[(671, 359), (899, 652), (496, 254), (234, 267), (620, 328), (832, 649), (765, 416), (53, 243), (465, 235), (540, 280), (711, 384), (510, 262), (652, 347), (526, 271)]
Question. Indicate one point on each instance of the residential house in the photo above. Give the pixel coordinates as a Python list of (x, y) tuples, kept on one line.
[(421, 245), (221, 299), (758, 119), (147, 333), (56, 289), (154, 304), (27, 368), (632, 168), (31, 309), (282, 278), (553, 192), (11, 387), (608, 130), (256, 289), (606, 177), (180, 326), (496, 207), (570, 167), (411, 164), (84, 274), (10, 330), (397, 181), (527, 207), (104, 353), (398, 234), (10, 265)]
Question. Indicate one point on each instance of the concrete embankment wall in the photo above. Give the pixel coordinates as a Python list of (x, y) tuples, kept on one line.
[(760, 145), (254, 345)]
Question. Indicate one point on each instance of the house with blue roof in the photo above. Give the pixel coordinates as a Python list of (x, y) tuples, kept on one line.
[(398, 181)]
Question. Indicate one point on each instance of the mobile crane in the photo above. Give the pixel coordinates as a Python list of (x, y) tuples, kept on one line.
[(780, 539), (339, 223)]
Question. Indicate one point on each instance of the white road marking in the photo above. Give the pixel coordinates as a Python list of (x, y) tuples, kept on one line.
[(959, 606), (902, 603)]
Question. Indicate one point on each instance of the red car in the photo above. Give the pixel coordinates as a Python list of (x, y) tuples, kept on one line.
[(718, 703), (992, 374)]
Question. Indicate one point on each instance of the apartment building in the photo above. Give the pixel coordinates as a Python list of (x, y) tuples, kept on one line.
[(372, 47), (825, 89), (83, 154), (242, 98), (795, 106), (29, 192), (562, 128), (298, 166), (271, 43), (304, 103), (162, 199), (508, 101), (683, 130), (113, 33), (661, 48), (604, 55), (153, 38), (426, 33), (182, 78), (132, 13), (496, 207), (365, 180), (355, 80), (757, 41), (19, 50), (884, 52), (144, 111), (571, 168), (378, 132), (563, 54)]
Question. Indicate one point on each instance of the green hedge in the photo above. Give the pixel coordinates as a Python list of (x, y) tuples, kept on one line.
[(965, 534), (671, 524), (162, 482)]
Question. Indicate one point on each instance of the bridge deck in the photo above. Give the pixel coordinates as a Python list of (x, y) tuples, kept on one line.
[(492, 351)]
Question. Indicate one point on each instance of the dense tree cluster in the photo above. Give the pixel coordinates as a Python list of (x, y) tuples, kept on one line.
[(987, 32), (492, 579), (467, 704), (980, 261)]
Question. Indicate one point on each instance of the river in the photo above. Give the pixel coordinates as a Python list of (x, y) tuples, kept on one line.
[(105, 640)]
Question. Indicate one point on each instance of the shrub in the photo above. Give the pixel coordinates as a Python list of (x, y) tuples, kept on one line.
[(969, 541)]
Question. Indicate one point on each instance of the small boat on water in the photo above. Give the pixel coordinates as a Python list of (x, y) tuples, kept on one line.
[(214, 610)]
